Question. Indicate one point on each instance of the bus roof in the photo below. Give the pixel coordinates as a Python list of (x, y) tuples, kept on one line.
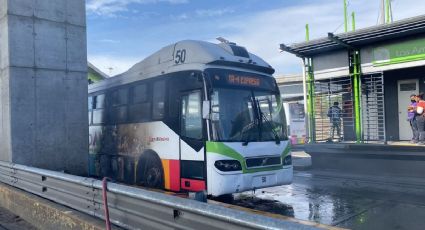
[(187, 55)]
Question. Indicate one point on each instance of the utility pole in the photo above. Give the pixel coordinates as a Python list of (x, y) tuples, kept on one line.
[(353, 20), (345, 17)]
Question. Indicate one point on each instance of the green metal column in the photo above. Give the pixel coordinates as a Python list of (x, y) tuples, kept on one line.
[(310, 100), (345, 17), (357, 92), (387, 11), (307, 33)]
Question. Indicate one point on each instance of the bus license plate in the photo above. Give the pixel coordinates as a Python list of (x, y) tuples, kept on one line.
[(260, 181)]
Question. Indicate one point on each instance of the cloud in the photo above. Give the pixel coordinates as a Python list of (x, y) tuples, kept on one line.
[(212, 13), (112, 41), (111, 8), (202, 13), (182, 16), (261, 33), (113, 65), (175, 1)]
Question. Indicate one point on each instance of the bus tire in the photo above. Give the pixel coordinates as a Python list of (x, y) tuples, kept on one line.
[(150, 173)]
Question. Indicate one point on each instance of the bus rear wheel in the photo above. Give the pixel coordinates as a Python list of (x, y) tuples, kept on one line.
[(152, 175)]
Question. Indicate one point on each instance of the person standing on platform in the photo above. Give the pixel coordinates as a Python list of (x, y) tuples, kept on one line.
[(420, 117), (334, 114), (411, 117)]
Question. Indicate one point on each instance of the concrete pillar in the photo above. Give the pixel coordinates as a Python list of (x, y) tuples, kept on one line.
[(43, 84)]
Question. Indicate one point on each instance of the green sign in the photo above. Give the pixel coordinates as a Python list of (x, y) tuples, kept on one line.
[(408, 51)]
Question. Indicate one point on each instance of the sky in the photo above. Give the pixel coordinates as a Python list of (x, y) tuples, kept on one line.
[(121, 33)]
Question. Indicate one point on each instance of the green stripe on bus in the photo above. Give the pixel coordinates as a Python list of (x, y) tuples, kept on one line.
[(286, 151), (222, 149)]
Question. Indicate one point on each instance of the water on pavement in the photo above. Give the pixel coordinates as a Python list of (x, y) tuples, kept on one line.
[(355, 202)]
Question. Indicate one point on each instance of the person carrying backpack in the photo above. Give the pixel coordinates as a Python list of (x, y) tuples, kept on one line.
[(334, 114)]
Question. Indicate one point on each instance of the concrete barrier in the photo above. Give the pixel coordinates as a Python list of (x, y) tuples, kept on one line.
[(43, 84)]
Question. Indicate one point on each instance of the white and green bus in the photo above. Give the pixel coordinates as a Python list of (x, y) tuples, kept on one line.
[(194, 116)]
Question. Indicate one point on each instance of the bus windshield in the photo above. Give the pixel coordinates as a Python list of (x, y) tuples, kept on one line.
[(247, 114)]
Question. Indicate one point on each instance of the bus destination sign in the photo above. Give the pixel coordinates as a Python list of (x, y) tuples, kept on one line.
[(243, 80), (240, 79)]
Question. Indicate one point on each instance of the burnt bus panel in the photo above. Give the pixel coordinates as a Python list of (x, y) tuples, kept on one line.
[(140, 106), (158, 100), (140, 112), (105, 165), (128, 169), (117, 148)]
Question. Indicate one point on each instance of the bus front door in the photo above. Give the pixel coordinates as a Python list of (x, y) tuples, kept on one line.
[(192, 163)]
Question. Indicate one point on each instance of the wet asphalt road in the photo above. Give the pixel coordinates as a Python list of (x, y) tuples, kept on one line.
[(344, 200)]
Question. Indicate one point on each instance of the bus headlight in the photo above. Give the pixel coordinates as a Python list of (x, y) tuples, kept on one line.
[(228, 165), (287, 160)]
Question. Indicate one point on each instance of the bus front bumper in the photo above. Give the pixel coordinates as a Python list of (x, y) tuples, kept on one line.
[(220, 184)]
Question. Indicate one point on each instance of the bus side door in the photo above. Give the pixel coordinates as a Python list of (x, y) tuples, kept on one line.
[(192, 162)]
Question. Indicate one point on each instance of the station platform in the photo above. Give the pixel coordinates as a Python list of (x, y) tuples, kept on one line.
[(300, 159), (395, 158)]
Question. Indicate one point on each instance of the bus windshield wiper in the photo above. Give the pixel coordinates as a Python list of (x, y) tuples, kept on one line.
[(255, 122), (246, 130), (268, 122)]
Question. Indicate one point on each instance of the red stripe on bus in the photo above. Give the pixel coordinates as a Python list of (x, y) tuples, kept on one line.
[(174, 175), (194, 185)]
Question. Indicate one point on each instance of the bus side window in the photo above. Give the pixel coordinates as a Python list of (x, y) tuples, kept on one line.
[(191, 117), (140, 107), (158, 100), (99, 109), (119, 99)]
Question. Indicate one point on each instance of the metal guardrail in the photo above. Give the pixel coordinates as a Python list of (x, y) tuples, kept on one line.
[(134, 208)]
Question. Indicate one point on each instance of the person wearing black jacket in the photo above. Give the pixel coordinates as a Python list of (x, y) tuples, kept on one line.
[(334, 114)]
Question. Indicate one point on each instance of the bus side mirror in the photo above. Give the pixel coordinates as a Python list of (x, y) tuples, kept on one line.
[(206, 105)]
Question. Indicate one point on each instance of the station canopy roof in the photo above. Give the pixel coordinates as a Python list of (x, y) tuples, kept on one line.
[(359, 38)]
